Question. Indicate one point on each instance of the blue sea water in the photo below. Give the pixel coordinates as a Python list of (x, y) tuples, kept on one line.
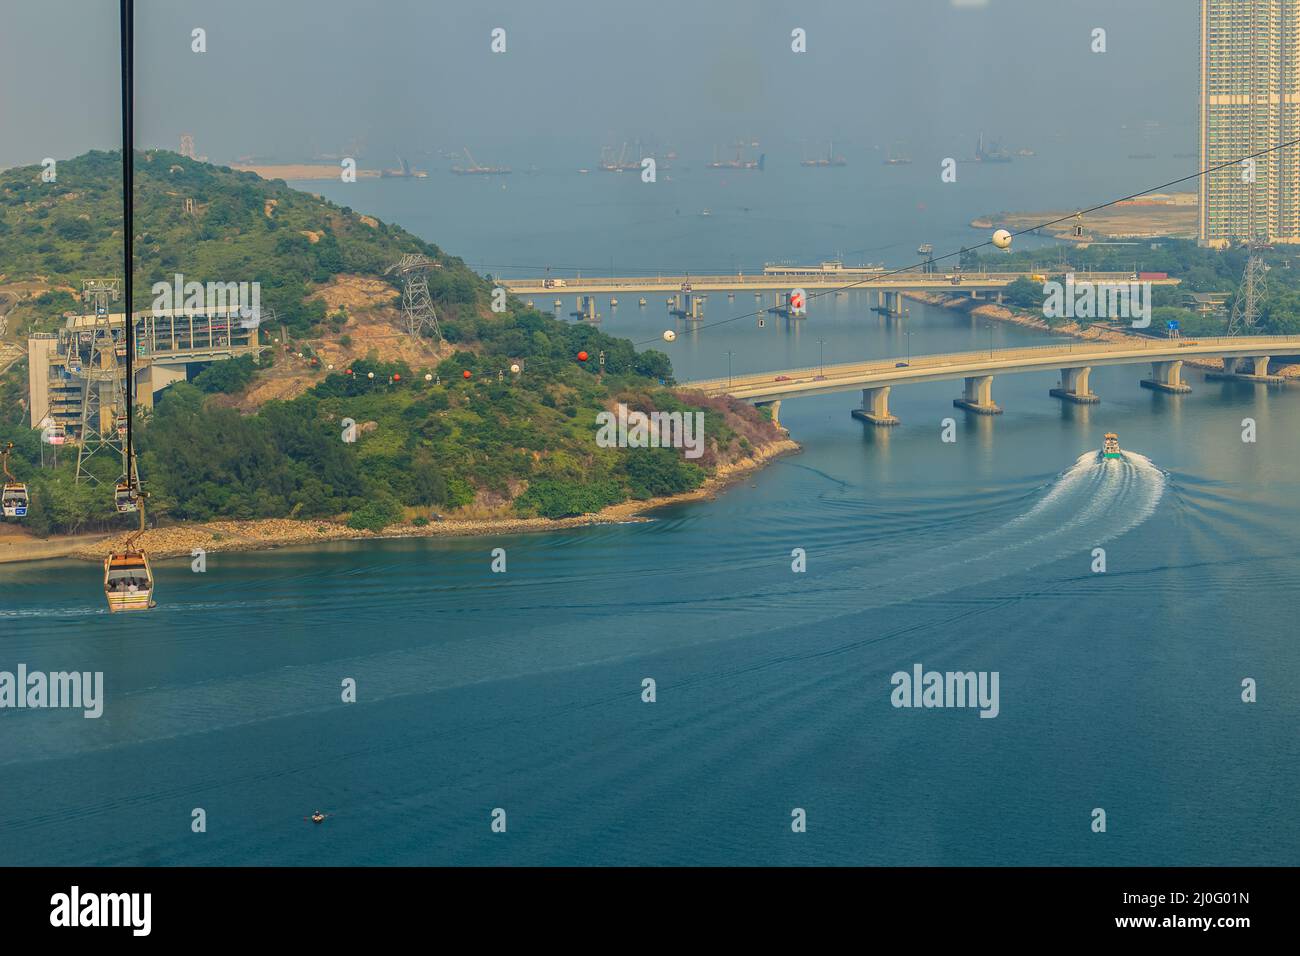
[(522, 690)]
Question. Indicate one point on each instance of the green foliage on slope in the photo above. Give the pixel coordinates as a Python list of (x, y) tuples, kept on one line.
[(495, 442)]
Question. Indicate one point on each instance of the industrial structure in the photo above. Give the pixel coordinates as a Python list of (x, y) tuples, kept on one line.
[(76, 376), (419, 317)]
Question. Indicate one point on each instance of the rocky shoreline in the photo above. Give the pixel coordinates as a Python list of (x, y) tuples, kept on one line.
[(1000, 313), (181, 540)]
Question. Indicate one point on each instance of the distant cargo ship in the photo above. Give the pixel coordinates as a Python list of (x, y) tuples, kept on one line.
[(475, 169), (830, 159), (404, 171), (736, 163), (897, 159), (992, 153), (620, 164)]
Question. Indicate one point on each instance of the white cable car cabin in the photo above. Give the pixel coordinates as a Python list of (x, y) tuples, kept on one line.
[(13, 496), (128, 581), (14, 500), (125, 498)]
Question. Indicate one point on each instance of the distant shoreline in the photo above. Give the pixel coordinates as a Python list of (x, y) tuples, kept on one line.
[(260, 535), (305, 172)]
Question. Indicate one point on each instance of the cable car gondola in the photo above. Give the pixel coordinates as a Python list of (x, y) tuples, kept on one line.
[(128, 579), (125, 497), (13, 497)]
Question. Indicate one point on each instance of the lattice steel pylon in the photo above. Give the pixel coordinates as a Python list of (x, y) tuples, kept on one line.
[(1245, 304), (417, 305), (103, 391)]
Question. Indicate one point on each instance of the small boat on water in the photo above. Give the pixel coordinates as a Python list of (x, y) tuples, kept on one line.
[(1110, 446)]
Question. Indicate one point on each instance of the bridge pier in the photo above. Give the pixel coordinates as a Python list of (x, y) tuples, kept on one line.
[(889, 302), (1166, 377), (978, 396), (1258, 364), (875, 407), (1074, 387)]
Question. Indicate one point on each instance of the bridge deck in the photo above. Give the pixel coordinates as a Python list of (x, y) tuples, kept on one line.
[(820, 380), (920, 281)]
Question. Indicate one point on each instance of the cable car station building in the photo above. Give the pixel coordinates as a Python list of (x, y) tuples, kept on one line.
[(63, 366)]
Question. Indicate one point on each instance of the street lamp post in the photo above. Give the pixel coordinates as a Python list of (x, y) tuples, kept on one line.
[(729, 355), (821, 356), (909, 347)]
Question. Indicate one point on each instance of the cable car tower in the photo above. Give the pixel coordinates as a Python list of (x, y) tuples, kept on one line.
[(103, 393), (417, 306), (1245, 304)]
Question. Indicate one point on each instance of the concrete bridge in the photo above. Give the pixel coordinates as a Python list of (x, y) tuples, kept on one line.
[(887, 284), (1245, 359)]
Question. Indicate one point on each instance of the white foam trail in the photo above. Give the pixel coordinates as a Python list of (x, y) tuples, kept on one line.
[(1094, 501)]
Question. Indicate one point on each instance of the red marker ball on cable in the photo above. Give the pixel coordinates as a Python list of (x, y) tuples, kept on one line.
[(582, 356)]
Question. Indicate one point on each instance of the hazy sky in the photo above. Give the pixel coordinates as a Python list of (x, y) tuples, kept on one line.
[(290, 78)]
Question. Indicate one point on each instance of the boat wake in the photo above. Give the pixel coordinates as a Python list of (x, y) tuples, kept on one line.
[(1092, 502)]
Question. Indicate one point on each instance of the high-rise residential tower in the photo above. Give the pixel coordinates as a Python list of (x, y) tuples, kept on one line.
[(1250, 102)]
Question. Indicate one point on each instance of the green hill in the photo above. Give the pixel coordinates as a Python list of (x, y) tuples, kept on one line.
[(494, 443), (242, 228)]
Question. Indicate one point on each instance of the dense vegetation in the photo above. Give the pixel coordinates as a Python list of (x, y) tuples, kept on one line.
[(491, 442), (242, 229), (1200, 269)]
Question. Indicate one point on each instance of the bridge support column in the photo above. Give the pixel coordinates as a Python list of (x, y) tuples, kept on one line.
[(154, 378), (875, 407), (1166, 377), (1074, 387), (775, 406), (889, 302), (1234, 369), (978, 396)]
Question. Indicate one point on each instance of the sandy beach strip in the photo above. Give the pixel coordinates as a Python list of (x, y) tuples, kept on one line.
[(181, 539)]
